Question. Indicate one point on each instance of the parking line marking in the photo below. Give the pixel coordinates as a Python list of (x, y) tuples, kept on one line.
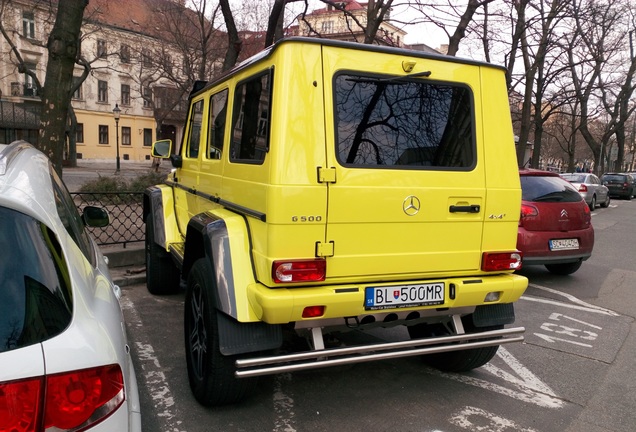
[(153, 375), (528, 387), (574, 299)]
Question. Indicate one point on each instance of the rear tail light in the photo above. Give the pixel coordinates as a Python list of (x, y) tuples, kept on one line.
[(72, 400), (311, 270), (582, 188), (527, 211), (498, 261)]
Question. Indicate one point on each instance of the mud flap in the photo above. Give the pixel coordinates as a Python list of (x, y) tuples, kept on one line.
[(494, 315), (239, 338)]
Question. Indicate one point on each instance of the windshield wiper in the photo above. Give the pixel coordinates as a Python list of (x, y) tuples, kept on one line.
[(395, 78)]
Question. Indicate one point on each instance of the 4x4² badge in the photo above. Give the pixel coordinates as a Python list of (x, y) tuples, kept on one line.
[(411, 205)]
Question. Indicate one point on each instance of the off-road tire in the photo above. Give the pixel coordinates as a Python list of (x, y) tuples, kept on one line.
[(455, 361), (564, 269), (210, 373), (162, 276)]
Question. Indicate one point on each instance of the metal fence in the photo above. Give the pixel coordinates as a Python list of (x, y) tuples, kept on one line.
[(126, 216)]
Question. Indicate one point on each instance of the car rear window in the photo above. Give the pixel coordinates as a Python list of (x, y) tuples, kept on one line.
[(614, 178), (574, 178), (548, 189), (391, 123), (35, 294)]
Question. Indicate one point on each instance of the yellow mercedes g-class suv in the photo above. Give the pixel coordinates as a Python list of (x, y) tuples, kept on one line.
[(330, 188)]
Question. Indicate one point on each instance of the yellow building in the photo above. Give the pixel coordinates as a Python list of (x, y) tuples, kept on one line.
[(128, 60)]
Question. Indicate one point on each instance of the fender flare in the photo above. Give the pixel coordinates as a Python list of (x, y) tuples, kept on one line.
[(222, 237)]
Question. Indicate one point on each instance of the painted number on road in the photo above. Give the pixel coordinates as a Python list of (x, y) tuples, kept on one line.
[(562, 328)]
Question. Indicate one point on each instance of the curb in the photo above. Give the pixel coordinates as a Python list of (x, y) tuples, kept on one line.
[(127, 266), (127, 276)]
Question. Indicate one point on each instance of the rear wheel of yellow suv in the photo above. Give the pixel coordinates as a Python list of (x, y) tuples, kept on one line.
[(211, 374), (455, 361)]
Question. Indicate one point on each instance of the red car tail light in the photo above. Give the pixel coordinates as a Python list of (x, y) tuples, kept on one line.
[(65, 401), (582, 188), (527, 211), (498, 261), (310, 270)]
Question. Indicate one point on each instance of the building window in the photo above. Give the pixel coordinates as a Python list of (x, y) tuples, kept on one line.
[(102, 91), (101, 48), (147, 137), (124, 54), (147, 97), (146, 58), (103, 134), (167, 64), (125, 94), (125, 135), (327, 26), (77, 85), (28, 25), (30, 88), (79, 133)]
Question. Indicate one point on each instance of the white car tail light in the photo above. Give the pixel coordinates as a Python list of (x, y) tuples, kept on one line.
[(67, 401)]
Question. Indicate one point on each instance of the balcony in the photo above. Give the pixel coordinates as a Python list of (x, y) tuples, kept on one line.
[(24, 90)]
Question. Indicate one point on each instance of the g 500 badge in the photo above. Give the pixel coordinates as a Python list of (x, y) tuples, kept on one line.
[(306, 218)]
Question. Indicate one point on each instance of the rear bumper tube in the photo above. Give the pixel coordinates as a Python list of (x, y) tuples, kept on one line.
[(366, 353)]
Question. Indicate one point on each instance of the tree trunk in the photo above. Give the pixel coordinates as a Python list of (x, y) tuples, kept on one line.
[(63, 45)]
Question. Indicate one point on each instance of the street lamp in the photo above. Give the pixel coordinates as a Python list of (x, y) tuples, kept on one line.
[(116, 112)]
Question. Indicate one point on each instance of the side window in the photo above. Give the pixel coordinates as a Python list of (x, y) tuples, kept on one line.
[(251, 119), (70, 217), (196, 118), (216, 123)]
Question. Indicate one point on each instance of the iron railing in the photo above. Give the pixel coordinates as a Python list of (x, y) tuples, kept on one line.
[(126, 216)]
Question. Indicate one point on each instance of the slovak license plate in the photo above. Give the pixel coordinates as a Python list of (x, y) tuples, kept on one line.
[(401, 296), (564, 244)]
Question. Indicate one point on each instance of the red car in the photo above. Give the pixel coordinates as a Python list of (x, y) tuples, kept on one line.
[(555, 228)]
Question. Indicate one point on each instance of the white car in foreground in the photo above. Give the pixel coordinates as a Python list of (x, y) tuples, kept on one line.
[(64, 358)]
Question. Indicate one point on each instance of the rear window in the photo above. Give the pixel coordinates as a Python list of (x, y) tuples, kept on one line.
[(35, 295), (391, 123), (574, 178), (617, 178), (548, 189)]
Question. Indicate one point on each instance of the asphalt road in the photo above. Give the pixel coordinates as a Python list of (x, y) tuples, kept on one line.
[(574, 372)]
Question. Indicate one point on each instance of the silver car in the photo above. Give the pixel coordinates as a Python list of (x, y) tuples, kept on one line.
[(590, 188)]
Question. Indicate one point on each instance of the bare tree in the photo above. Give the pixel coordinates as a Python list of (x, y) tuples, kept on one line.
[(600, 81), (63, 46)]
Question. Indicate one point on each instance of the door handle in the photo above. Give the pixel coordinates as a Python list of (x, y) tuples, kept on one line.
[(473, 208)]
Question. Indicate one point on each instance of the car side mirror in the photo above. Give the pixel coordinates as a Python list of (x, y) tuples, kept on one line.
[(162, 149), (95, 217)]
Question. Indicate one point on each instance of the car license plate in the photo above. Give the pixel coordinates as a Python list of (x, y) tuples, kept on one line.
[(402, 296), (564, 244)]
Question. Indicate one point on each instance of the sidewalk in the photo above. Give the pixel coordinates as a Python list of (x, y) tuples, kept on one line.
[(86, 170)]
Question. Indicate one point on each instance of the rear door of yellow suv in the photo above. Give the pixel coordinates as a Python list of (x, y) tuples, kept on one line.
[(409, 192)]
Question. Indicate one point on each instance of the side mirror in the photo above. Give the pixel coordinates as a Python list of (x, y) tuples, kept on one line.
[(95, 217), (162, 149)]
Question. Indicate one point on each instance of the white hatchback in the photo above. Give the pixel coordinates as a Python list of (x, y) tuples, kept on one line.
[(64, 357)]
